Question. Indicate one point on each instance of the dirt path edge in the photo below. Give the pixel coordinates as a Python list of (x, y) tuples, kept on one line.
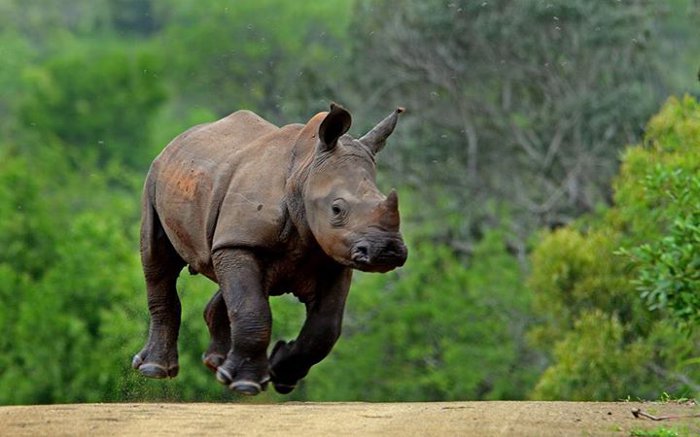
[(497, 418)]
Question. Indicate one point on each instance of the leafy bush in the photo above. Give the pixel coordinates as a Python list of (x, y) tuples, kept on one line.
[(594, 361), (665, 176), (603, 340), (98, 101)]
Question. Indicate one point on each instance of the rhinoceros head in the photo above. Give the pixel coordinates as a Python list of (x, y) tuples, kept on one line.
[(351, 219)]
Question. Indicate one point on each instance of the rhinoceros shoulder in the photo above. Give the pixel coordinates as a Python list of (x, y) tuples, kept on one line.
[(253, 210)]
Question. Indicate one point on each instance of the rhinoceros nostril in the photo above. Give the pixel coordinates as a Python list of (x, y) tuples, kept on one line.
[(360, 252)]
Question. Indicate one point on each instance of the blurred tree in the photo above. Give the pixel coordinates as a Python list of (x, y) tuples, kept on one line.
[(594, 361), (27, 237), (46, 24), (525, 102), (133, 17), (604, 343), (277, 58), (98, 102)]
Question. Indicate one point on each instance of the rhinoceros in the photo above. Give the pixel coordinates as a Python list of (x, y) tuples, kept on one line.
[(263, 210)]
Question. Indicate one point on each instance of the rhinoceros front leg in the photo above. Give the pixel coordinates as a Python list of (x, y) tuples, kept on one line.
[(161, 267), (246, 368), (216, 316), (290, 362)]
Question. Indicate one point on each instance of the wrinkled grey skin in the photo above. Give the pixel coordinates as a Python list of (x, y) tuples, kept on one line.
[(261, 211)]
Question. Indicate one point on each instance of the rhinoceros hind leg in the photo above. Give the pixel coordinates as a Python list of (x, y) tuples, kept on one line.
[(161, 267), (219, 329)]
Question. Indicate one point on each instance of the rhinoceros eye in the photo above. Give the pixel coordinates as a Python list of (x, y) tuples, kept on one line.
[(339, 212)]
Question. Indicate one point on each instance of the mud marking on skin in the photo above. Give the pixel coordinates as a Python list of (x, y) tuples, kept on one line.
[(187, 186), (184, 183)]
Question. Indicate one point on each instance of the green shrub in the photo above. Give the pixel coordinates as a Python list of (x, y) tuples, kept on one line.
[(596, 281), (665, 174), (98, 101)]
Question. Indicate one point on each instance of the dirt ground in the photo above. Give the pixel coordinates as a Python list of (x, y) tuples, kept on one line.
[(348, 419)]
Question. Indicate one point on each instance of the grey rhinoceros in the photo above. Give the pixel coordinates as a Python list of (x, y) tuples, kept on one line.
[(263, 210)]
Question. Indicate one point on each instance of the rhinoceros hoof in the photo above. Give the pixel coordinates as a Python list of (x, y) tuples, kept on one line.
[(154, 370), (246, 387), (213, 361), (223, 376), (283, 389), (243, 386)]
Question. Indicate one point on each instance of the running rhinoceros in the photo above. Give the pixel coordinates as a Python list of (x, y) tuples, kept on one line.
[(261, 211)]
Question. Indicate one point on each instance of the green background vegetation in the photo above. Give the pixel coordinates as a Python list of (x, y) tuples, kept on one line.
[(549, 180)]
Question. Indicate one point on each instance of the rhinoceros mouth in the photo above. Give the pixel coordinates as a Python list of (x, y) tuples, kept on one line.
[(378, 255), (374, 268)]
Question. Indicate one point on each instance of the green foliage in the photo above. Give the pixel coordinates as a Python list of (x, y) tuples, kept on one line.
[(603, 340), (656, 432), (26, 235), (669, 275), (516, 99), (104, 111), (59, 297), (268, 56), (575, 272), (593, 361), (514, 119), (664, 177)]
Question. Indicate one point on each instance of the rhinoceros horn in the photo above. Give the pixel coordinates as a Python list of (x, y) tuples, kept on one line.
[(390, 219), (376, 138)]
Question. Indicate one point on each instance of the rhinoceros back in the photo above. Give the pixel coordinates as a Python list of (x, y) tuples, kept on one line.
[(221, 184)]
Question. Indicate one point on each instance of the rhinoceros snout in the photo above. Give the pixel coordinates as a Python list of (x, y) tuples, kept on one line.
[(360, 252), (395, 253), (378, 254)]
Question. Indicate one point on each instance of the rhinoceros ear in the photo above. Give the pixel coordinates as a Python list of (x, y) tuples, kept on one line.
[(376, 138), (336, 123)]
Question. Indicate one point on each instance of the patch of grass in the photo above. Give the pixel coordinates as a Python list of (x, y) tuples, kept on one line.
[(664, 398), (667, 398), (656, 432)]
